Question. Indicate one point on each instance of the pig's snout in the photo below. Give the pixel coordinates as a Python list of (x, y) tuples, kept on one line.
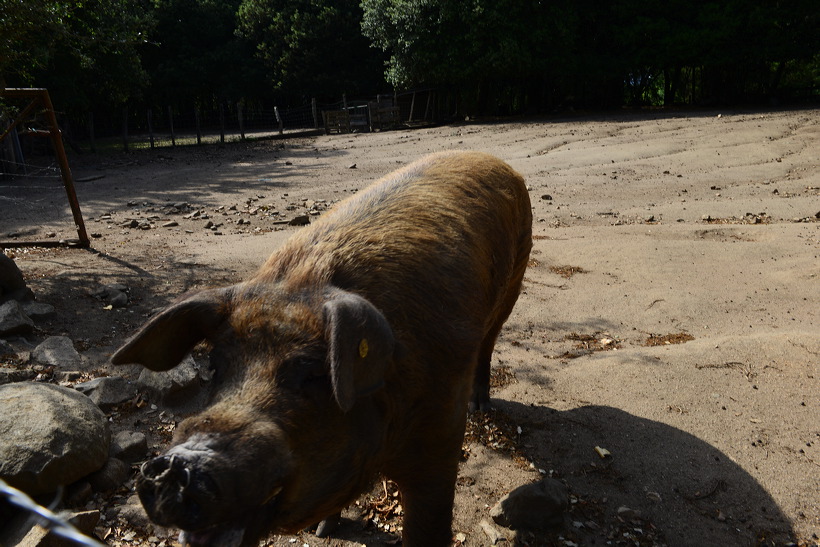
[(174, 493)]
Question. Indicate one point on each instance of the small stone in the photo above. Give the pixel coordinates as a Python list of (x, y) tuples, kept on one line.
[(546, 197), (108, 391), (129, 446), (13, 319), (170, 224), (300, 220), (352, 166), (536, 506), (172, 386), (57, 351), (113, 474), (120, 300), (627, 513), (38, 310)]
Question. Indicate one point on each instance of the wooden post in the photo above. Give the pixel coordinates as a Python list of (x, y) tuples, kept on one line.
[(151, 127), (412, 106), (344, 101), (171, 124), (427, 108), (198, 130), (91, 131), (241, 120), (125, 129), (315, 113), (278, 119), (222, 122)]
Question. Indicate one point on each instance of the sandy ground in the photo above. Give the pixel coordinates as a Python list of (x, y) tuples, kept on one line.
[(670, 314)]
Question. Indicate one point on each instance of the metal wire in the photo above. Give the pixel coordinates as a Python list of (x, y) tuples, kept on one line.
[(48, 519)]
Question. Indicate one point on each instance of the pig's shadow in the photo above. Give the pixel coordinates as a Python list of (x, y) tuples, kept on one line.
[(689, 490)]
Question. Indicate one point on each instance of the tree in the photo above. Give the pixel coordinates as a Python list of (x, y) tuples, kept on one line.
[(312, 47), (197, 54)]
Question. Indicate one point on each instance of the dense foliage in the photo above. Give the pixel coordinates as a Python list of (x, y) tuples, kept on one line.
[(493, 56)]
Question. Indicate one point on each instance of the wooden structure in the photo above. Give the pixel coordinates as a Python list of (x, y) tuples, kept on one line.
[(40, 102), (336, 121), (384, 114)]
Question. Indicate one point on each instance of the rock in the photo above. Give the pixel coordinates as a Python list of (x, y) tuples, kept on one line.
[(300, 220), (13, 319), (11, 375), (133, 514), (627, 513), (22, 533), (49, 436), (170, 224), (6, 349), (536, 506), (546, 197), (67, 376), (57, 351), (12, 284), (172, 386), (113, 474), (129, 446), (490, 531), (107, 391), (115, 294), (38, 310)]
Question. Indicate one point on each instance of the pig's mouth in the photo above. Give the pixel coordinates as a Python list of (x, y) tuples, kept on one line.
[(226, 537)]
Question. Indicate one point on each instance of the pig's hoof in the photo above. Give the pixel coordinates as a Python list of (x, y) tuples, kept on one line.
[(328, 526)]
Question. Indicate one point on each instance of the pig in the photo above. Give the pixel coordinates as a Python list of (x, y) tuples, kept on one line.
[(355, 351)]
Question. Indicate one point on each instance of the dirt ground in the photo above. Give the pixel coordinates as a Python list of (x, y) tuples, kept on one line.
[(670, 314)]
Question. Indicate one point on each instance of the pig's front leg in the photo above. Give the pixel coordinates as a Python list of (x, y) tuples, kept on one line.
[(427, 499)]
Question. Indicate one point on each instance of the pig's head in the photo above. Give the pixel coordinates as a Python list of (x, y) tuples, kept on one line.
[(292, 429)]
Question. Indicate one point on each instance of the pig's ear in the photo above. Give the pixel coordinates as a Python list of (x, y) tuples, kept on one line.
[(361, 344), (168, 336)]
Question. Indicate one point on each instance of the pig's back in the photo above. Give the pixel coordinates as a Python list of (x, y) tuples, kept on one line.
[(435, 243)]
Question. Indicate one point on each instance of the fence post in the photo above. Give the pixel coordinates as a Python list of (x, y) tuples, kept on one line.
[(125, 129), (315, 113), (171, 124), (198, 130), (278, 118), (151, 127), (91, 131), (222, 122), (241, 120), (344, 101)]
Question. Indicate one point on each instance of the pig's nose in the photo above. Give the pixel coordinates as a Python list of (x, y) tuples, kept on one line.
[(168, 495), (168, 472)]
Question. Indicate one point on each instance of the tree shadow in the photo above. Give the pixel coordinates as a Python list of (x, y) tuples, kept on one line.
[(687, 489)]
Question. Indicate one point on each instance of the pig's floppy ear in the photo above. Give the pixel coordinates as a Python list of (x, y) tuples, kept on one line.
[(168, 336), (361, 344)]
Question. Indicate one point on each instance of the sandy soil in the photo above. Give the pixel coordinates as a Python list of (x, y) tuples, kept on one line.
[(670, 313)]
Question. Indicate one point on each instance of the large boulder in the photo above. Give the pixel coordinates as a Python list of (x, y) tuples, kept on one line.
[(12, 284), (49, 436)]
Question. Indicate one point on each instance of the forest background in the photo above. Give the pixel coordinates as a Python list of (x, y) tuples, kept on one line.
[(483, 57)]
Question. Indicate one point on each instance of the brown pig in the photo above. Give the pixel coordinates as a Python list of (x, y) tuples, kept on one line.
[(355, 350)]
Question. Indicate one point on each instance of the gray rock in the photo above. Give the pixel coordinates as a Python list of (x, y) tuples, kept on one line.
[(6, 349), (115, 293), (172, 386), (113, 474), (38, 310), (49, 436), (129, 446), (21, 532), (67, 376), (300, 220), (536, 506), (10, 375), (108, 391), (13, 319), (12, 284), (57, 351)]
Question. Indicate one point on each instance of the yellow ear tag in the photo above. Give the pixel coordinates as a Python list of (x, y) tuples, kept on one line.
[(363, 348)]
